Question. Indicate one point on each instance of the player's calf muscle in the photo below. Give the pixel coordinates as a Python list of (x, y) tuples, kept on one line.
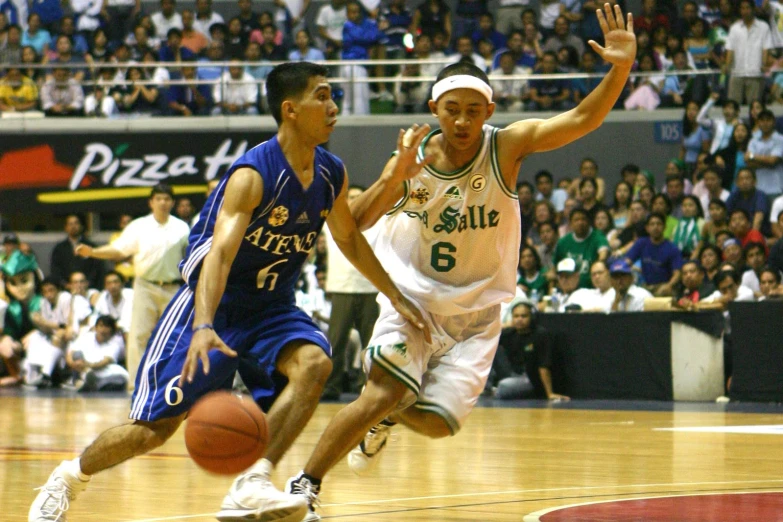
[(121, 443)]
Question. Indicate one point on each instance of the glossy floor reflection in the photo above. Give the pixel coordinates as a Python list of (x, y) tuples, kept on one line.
[(505, 464)]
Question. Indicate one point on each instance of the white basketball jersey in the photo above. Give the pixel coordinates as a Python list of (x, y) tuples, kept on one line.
[(452, 242)]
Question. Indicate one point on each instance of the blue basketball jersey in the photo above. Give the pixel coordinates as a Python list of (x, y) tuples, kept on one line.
[(281, 233)]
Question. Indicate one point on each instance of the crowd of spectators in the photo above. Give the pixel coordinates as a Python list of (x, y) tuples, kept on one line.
[(143, 53), (581, 243)]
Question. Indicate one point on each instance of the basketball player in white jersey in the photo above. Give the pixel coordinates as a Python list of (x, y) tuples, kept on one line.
[(449, 239)]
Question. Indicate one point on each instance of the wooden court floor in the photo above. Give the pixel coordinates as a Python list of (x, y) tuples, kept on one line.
[(505, 464)]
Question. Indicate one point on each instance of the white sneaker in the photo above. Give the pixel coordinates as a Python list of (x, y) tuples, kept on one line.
[(56, 495), (253, 497), (302, 486), (364, 457)]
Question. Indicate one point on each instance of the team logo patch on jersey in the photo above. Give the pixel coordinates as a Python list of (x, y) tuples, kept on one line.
[(303, 218), (420, 195), (278, 217), (453, 193), (478, 182)]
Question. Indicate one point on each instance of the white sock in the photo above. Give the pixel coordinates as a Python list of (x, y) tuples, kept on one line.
[(262, 467), (76, 469)]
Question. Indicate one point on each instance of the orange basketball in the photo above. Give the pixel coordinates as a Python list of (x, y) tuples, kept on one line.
[(226, 433)]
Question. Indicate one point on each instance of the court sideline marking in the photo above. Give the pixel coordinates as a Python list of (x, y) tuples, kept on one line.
[(536, 516), (488, 493)]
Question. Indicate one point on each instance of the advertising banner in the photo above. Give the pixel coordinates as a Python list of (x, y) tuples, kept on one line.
[(57, 173)]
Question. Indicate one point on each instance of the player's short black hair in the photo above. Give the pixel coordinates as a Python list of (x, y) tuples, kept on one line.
[(462, 68), (287, 81)]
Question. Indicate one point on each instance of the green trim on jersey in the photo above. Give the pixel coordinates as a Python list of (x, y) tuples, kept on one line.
[(493, 150), (448, 175), (440, 411), (406, 188), (394, 370)]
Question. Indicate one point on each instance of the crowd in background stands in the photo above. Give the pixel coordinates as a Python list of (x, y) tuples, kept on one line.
[(520, 37)]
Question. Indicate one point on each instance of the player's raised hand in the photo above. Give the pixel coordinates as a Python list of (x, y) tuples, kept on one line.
[(619, 40), (407, 164), (411, 314), (202, 342)]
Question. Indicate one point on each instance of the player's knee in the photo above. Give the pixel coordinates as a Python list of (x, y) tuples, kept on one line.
[(437, 429), (156, 433), (312, 365)]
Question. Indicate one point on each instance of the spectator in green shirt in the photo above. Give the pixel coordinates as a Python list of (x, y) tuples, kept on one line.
[(583, 244)]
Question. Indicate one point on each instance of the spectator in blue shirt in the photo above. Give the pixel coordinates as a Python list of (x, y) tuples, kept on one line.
[(50, 11), (394, 22), (173, 51), (551, 94), (79, 42), (516, 46), (486, 30), (189, 99), (304, 51), (360, 37), (35, 36), (750, 199), (584, 86), (661, 261)]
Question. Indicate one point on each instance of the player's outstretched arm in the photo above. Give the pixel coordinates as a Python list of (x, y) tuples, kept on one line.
[(380, 198), (528, 136), (356, 249), (243, 194)]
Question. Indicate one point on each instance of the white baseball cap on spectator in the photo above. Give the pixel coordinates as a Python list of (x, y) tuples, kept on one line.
[(566, 265)]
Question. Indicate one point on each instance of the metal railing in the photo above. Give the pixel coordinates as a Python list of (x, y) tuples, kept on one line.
[(339, 66)]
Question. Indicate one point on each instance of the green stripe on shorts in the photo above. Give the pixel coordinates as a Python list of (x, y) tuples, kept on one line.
[(438, 410)]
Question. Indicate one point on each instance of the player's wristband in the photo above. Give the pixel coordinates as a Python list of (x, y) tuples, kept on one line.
[(205, 326)]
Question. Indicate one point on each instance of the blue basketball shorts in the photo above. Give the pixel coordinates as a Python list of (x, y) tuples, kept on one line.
[(258, 336)]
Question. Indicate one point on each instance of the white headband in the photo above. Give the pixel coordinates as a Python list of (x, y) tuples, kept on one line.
[(461, 81)]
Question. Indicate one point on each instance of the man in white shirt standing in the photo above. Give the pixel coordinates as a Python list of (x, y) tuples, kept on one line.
[(353, 305), (330, 22), (157, 243), (765, 155), (167, 18), (747, 52), (628, 297)]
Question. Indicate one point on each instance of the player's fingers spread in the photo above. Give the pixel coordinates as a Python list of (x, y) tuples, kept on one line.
[(223, 347), (205, 362), (601, 20), (610, 17), (596, 47), (618, 16), (629, 26), (399, 139)]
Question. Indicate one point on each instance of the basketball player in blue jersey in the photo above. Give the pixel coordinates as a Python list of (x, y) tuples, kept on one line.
[(450, 235), (243, 259)]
